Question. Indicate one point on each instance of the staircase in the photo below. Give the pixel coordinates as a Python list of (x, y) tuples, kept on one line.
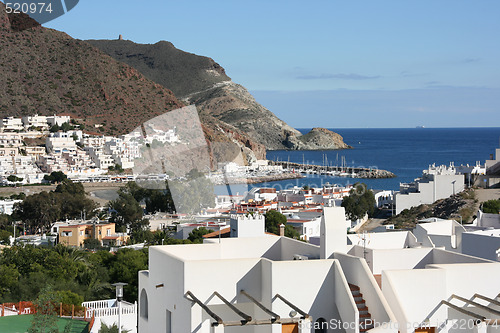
[(365, 319)]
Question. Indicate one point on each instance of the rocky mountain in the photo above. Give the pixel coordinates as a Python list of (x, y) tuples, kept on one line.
[(317, 138), (46, 72), (201, 81)]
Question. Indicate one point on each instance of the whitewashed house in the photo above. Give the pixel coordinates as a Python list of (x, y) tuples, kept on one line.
[(260, 284)]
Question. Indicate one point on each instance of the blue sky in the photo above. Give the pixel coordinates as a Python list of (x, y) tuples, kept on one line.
[(333, 64)]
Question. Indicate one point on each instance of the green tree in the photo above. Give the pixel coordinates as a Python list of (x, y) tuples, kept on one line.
[(14, 179), (4, 237), (54, 128), (111, 328), (491, 206), (9, 279), (92, 244), (39, 211), (45, 317), (196, 236), (66, 127), (69, 297), (55, 177), (125, 210), (192, 195), (273, 221), (361, 201), (124, 268)]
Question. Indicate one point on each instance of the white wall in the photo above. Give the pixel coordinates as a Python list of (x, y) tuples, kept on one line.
[(333, 231), (488, 220), (413, 294), (380, 260), (309, 284), (480, 245), (348, 310), (358, 273)]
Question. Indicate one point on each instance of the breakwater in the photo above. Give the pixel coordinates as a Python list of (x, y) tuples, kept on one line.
[(336, 171)]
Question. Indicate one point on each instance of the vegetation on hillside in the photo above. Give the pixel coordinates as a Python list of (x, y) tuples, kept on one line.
[(76, 274), (491, 206), (359, 203), (49, 72), (462, 204)]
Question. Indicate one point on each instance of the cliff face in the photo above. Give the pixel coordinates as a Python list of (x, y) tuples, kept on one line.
[(47, 72), (317, 139), (201, 81)]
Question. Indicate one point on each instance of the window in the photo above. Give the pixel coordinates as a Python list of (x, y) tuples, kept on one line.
[(320, 326), (108, 232), (81, 232), (143, 304), (67, 233)]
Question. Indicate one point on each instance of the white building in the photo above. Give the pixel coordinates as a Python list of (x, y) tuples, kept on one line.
[(384, 198), (436, 183), (307, 228), (35, 121), (102, 161), (123, 150), (7, 206), (60, 142), (435, 232), (12, 124), (57, 120), (259, 284), (243, 226), (8, 139)]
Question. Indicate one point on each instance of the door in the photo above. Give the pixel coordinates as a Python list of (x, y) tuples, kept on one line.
[(290, 328)]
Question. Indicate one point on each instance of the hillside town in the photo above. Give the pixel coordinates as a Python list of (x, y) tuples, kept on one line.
[(358, 274), (142, 190)]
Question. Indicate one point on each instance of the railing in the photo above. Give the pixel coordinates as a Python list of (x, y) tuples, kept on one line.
[(127, 308), (91, 323), (107, 303)]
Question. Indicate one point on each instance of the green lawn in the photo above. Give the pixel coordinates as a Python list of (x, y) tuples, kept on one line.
[(20, 324)]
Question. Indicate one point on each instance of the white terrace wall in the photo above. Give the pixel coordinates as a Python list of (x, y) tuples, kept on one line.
[(358, 273), (309, 284), (228, 277), (347, 308), (289, 247), (380, 260), (488, 220), (480, 245), (413, 294)]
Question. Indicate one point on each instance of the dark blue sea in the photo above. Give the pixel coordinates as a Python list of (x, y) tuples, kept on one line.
[(403, 151)]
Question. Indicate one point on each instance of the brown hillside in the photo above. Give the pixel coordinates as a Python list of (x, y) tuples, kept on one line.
[(47, 72)]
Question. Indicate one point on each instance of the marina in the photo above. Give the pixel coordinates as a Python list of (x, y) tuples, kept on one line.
[(335, 171)]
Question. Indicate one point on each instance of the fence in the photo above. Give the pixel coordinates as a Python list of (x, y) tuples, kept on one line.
[(22, 308), (12, 309)]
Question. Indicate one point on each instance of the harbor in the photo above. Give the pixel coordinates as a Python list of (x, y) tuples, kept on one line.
[(334, 171)]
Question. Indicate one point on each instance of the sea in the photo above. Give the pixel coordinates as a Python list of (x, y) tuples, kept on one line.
[(403, 151)]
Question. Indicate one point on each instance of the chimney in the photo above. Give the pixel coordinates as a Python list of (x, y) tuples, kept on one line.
[(282, 230), (120, 37)]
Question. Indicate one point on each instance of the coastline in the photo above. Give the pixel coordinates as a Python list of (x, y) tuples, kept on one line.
[(260, 179)]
